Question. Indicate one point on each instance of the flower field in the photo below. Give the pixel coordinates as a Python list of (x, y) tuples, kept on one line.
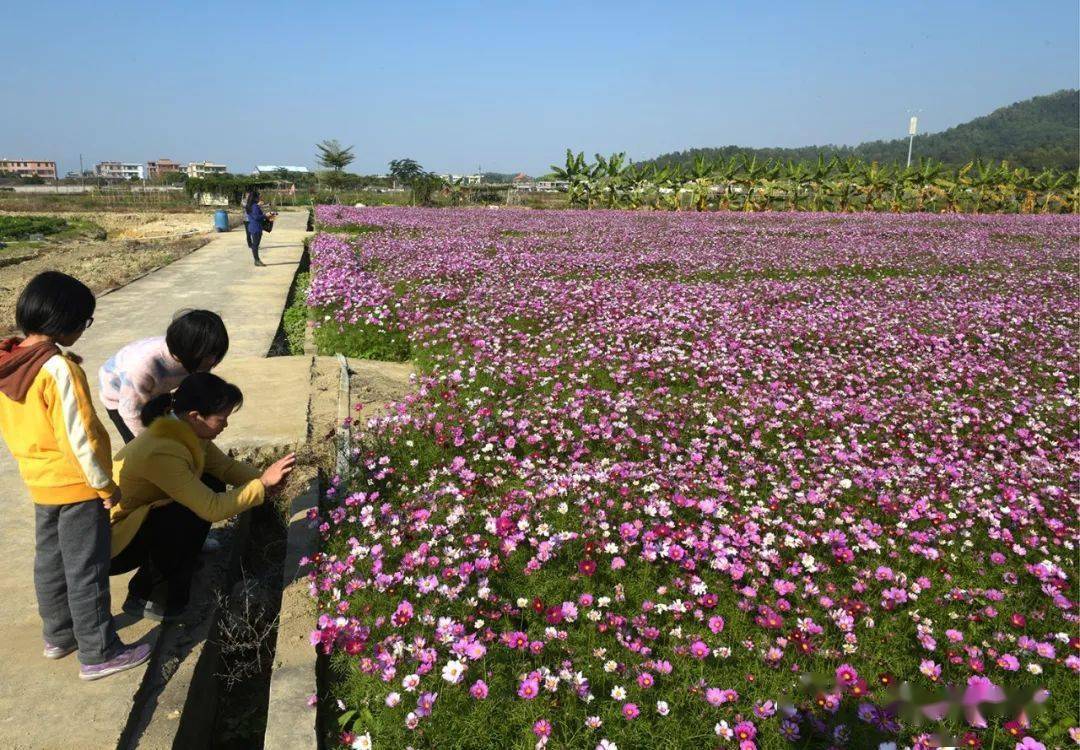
[(704, 480)]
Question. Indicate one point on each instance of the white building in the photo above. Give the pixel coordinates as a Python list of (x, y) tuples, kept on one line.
[(118, 170), (198, 169), (269, 169), (469, 179)]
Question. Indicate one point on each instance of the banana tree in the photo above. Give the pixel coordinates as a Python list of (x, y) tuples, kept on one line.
[(796, 176), (925, 179), (955, 189), (1054, 188), (610, 180), (725, 174), (985, 182), (873, 182), (670, 187), (1024, 185), (574, 174), (701, 182), (748, 178), (817, 177)]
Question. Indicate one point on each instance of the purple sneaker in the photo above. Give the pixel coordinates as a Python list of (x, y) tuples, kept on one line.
[(126, 658), (58, 652)]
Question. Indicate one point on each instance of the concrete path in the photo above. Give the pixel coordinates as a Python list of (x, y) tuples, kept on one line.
[(43, 704)]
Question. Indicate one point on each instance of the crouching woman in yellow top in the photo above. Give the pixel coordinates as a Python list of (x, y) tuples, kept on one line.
[(165, 512)]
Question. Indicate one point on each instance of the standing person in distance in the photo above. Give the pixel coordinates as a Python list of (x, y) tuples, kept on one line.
[(247, 224), (255, 218)]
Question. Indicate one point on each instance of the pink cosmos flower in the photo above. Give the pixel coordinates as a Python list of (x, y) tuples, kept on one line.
[(528, 689)]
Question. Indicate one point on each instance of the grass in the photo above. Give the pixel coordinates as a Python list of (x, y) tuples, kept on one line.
[(361, 340), (295, 317), (38, 228)]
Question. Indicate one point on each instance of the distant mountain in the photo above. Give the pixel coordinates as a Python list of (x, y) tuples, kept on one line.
[(1038, 133)]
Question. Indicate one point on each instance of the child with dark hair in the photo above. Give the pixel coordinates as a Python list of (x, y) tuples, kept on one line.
[(196, 341), (166, 509), (64, 457)]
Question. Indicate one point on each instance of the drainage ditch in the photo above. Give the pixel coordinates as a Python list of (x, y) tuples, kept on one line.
[(246, 634)]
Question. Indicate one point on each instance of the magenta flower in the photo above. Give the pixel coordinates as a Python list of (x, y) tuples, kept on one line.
[(528, 689)]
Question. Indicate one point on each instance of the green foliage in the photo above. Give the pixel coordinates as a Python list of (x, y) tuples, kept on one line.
[(405, 171), (425, 187), (24, 227), (1038, 133), (359, 340), (21, 228), (231, 186), (295, 318), (333, 155)]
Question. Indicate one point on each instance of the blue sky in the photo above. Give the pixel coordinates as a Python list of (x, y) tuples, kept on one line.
[(507, 85)]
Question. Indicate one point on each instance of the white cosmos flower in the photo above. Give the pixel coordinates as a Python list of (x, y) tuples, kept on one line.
[(453, 671), (363, 742)]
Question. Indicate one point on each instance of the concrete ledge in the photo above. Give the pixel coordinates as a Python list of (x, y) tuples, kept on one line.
[(290, 725)]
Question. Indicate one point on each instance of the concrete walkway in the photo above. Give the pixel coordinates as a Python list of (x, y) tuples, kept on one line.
[(43, 704)]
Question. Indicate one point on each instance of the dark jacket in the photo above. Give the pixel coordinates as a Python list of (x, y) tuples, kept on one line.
[(255, 216)]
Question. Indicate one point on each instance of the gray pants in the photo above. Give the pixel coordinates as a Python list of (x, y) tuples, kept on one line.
[(71, 578)]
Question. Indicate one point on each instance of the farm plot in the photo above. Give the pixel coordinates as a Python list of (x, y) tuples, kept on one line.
[(684, 481)]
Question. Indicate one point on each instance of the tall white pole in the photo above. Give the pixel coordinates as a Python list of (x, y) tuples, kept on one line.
[(912, 124)]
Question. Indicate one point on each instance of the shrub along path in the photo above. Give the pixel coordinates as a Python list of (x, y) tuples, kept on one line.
[(42, 703)]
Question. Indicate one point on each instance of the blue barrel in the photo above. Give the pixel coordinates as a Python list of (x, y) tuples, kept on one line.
[(221, 220)]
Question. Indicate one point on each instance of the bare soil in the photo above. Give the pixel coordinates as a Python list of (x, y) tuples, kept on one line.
[(135, 244)]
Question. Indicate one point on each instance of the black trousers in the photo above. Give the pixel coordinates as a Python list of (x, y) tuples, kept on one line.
[(166, 545), (254, 238), (247, 233), (125, 432)]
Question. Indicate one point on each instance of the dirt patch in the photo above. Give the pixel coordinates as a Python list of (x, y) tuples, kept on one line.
[(374, 385), (101, 265), (138, 224)]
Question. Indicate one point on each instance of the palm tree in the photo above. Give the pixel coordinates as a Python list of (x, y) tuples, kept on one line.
[(332, 155)]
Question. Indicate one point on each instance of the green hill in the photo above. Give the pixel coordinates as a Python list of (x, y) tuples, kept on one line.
[(1037, 133)]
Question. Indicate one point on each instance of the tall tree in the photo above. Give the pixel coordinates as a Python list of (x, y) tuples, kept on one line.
[(332, 155), (406, 171)]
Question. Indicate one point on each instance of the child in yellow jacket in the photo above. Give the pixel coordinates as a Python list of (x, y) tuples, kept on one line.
[(64, 457)]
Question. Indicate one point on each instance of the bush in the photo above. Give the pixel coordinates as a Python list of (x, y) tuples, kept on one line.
[(24, 227)]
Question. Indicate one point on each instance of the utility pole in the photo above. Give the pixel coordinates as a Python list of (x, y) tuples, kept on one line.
[(912, 125)]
